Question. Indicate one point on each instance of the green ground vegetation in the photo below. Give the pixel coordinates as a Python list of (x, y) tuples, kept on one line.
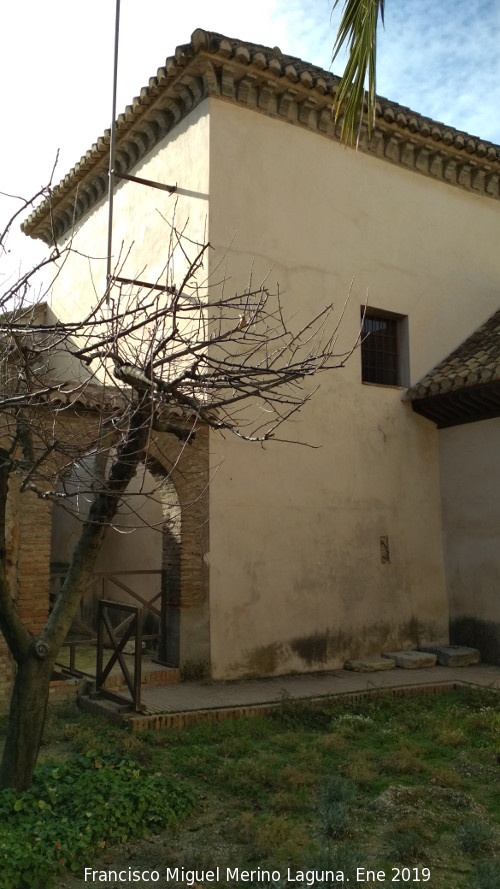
[(393, 783)]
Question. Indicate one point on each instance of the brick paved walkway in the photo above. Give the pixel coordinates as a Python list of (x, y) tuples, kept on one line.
[(189, 702), (250, 692)]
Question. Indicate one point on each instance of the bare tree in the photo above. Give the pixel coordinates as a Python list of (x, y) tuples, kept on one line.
[(144, 361)]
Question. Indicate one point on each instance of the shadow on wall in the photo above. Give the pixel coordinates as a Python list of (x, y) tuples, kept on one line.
[(477, 633)]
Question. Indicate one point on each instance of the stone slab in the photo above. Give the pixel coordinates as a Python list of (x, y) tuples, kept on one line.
[(412, 660), (369, 664), (454, 655)]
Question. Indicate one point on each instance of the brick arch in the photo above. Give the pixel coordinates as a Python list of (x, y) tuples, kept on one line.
[(186, 468), (29, 539)]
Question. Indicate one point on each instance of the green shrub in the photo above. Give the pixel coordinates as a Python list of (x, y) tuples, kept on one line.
[(486, 875), (299, 714), (474, 835), (334, 819), (333, 809), (77, 805), (338, 789), (407, 845), (344, 857)]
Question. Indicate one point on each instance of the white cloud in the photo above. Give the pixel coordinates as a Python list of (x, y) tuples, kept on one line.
[(441, 59)]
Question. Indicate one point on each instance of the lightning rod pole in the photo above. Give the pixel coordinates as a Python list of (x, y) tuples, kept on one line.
[(111, 174)]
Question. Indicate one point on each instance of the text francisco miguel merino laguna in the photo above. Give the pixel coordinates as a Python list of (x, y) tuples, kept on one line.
[(234, 874)]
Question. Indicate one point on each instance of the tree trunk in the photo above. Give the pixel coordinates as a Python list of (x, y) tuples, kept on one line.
[(35, 658), (26, 721)]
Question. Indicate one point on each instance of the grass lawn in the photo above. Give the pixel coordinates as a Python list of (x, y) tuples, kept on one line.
[(407, 785)]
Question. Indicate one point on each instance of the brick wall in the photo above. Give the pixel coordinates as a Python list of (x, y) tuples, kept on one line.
[(29, 536), (187, 468), (28, 526)]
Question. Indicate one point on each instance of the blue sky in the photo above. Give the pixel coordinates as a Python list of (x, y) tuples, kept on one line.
[(436, 56), (441, 58)]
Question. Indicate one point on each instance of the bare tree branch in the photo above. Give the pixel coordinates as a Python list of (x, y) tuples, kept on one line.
[(157, 363)]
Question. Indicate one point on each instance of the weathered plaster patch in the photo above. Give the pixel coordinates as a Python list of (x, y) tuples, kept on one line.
[(265, 660), (194, 671), (329, 650), (312, 649), (319, 649)]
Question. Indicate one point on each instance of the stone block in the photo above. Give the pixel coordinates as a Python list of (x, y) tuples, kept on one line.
[(412, 660), (454, 655), (369, 664)]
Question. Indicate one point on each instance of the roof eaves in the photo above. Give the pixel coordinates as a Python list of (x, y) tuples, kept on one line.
[(273, 83), (475, 362)]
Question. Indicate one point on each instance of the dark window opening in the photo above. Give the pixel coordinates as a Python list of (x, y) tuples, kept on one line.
[(380, 349)]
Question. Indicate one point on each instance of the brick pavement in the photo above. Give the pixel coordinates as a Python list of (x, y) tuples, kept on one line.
[(191, 696), (191, 702)]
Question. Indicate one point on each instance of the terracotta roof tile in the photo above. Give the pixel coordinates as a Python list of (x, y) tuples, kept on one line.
[(212, 64), (474, 362)]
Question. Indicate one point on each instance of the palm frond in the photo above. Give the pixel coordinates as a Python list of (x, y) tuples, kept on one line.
[(358, 32)]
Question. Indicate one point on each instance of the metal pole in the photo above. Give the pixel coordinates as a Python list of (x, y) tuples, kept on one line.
[(112, 153)]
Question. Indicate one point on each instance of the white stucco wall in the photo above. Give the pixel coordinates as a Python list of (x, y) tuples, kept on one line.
[(295, 573), (296, 579), (142, 240), (141, 217), (471, 523)]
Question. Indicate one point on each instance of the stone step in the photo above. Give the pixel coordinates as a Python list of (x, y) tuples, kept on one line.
[(454, 655), (425, 656), (412, 660), (160, 676)]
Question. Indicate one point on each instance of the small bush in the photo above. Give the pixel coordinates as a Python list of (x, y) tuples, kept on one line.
[(345, 857), (353, 722), (406, 845), (486, 875), (337, 793), (449, 736), (338, 789), (334, 819), (474, 835), (76, 806), (445, 777), (277, 835), (302, 714), (361, 769), (403, 761)]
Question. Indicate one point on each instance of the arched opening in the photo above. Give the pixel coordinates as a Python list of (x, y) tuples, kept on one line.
[(140, 560)]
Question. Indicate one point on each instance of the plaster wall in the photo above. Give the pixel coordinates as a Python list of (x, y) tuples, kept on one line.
[(142, 219), (144, 248), (471, 525), (296, 577)]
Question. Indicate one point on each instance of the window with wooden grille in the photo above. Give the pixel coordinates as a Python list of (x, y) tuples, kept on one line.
[(381, 348)]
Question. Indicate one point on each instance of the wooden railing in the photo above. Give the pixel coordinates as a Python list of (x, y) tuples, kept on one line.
[(131, 628), (109, 579)]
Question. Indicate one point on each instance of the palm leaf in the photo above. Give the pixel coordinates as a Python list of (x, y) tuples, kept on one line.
[(357, 31)]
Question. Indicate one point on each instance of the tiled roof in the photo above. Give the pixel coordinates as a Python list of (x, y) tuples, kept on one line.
[(465, 386), (273, 83), (475, 361)]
